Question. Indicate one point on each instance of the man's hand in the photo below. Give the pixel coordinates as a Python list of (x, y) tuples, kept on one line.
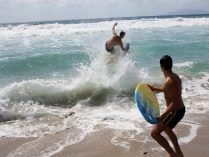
[(158, 118), (161, 117), (152, 88)]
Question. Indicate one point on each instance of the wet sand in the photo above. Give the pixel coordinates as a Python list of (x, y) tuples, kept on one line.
[(100, 144), (9, 144), (199, 147)]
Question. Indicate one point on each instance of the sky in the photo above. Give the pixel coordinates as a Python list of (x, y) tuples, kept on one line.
[(46, 10)]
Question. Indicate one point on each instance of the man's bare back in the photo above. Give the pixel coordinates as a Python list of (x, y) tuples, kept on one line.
[(172, 91), (114, 41)]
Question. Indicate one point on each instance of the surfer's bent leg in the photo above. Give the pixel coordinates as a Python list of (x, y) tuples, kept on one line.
[(156, 134)]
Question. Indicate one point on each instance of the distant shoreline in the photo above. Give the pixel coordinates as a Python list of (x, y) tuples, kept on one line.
[(77, 21)]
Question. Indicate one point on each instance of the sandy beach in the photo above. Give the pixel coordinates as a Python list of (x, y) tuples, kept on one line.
[(101, 143)]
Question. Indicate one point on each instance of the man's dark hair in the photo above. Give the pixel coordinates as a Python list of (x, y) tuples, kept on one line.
[(166, 62), (122, 34)]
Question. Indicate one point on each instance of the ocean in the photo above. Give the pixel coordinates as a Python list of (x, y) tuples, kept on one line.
[(54, 76)]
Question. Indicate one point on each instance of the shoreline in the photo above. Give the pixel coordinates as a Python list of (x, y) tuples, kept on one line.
[(105, 142), (100, 143)]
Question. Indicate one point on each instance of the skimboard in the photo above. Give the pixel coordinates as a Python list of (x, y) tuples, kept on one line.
[(147, 103), (126, 46)]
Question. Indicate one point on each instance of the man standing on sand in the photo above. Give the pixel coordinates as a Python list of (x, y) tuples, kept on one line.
[(115, 40), (175, 110)]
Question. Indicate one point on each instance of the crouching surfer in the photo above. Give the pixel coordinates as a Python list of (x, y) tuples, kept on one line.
[(116, 40)]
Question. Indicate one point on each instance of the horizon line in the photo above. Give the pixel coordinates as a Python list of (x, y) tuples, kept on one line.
[(100, 18)]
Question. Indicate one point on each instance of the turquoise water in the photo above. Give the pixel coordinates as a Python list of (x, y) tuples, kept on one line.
[(48, 69), (57, 50)]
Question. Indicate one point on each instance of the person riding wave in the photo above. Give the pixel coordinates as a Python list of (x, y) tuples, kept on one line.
[(116, 40)]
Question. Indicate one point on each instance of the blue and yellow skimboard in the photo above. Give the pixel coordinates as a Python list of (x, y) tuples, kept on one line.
[(147, 103)]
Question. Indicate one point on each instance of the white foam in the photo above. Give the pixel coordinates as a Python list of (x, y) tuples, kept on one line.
[(193, 128), (196, 93), (116, 75), (26, 89), (58, 29), (48, 145), (29, 97), (123, 144), (184, 64)]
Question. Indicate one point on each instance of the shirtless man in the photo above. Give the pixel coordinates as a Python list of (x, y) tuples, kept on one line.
[(175, 108), (115, 40)]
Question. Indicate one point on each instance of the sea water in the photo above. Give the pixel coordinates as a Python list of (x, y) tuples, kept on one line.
[(54, 75)]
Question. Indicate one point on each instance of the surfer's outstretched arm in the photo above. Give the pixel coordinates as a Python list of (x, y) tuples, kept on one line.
[(113, 29)]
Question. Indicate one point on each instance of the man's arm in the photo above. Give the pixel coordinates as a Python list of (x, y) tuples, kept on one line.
[(156, 89), (113, 29), (121, 45)]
